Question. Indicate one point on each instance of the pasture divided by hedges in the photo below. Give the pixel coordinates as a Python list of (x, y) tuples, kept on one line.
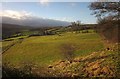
[(44, 50)]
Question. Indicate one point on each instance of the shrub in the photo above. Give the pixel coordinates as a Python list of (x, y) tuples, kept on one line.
[(109, 30)]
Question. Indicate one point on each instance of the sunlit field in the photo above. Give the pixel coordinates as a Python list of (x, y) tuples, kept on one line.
[(44, 50), (60, 39)]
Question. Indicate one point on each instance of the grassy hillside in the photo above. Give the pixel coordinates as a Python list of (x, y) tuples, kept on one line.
[(54, 52), (44, 50), (10, 29)]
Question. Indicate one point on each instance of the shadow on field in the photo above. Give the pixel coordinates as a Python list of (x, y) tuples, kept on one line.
[(68, 51)]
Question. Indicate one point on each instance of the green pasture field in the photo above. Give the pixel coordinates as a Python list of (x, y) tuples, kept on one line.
[(45, 50)]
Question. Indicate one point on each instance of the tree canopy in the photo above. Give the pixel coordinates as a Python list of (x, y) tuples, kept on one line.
[(101, 9)]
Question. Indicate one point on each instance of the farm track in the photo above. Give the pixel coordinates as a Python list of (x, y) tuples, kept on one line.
[(8, 47)]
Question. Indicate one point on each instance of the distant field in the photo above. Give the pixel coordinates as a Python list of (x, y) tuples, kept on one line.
[(44, 50)]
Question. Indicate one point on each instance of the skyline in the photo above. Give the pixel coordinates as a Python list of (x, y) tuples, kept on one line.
[(63, 11)]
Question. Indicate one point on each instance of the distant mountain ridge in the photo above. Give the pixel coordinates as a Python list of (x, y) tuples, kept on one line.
[(34, 22)]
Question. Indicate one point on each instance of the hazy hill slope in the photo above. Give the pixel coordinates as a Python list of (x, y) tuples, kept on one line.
[(10, 29)]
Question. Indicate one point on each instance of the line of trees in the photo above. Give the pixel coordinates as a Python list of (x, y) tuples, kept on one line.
[(78, 26), (108, 14)]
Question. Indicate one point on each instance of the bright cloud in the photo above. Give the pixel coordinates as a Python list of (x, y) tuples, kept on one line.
[(15, 14), (24, 15), (28, 19), (44, 2), (68, 19)]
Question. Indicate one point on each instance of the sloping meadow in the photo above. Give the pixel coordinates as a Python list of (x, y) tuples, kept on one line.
[(38, 53)]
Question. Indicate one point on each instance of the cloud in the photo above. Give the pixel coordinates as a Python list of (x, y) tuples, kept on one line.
[(28, 19), (44, 2), (15, 14), (67, 19)]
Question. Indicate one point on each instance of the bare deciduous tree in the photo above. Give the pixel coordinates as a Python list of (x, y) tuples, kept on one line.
[(105, 8), (108, 14)]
